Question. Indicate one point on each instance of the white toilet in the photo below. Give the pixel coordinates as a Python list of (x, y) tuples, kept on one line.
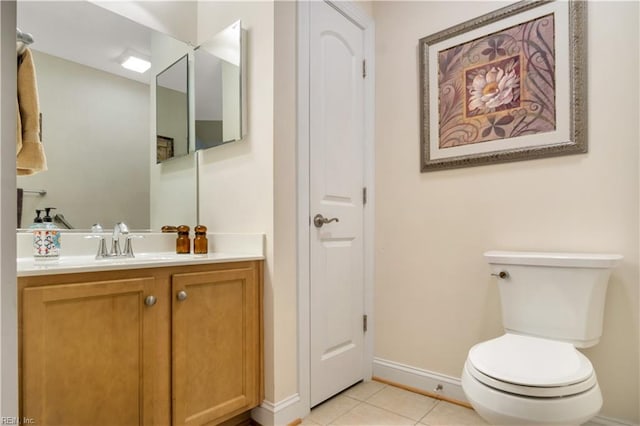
[(552, 303)]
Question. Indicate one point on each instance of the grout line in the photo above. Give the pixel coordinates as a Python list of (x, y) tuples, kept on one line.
[(400, 414), (340, 415), (423, 392), (435, 401), (347, 412), (388, 411), (438, 401), (430, 410), (385, 386), (376, 392), (393, 412)]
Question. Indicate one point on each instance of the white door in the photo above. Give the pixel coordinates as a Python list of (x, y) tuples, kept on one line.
[(336, 180)]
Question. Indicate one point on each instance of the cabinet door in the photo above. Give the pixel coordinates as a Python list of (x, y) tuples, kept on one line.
[(216, 345), (87, 353)]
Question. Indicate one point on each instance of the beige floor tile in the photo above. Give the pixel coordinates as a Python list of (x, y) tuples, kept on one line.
[(402, 402), (362, 391), (332, 409), (445, 413), (368, 415), (308, 422)]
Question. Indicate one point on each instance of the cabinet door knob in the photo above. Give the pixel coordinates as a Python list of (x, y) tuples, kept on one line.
[(181, 295), (150, 300)]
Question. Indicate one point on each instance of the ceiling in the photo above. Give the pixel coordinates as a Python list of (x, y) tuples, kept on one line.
[(85, 33)]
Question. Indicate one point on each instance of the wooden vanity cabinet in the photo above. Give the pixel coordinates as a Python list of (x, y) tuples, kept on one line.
[(158, 346)]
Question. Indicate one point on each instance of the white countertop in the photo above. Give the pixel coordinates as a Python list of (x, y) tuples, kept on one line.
[(70, 264), (78, 253)]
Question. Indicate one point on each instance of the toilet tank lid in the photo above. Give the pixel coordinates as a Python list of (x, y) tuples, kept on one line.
[(571, 260)]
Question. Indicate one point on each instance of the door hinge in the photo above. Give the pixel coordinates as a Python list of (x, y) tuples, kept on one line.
[(364, 322), (364, 68), (364, 195)]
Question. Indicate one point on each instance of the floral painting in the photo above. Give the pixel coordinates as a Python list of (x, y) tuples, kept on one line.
[(508, 85), (499, 86)]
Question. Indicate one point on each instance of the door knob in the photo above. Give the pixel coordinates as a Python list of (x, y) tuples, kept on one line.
[(181, 295), (319, 220), (150, 300)]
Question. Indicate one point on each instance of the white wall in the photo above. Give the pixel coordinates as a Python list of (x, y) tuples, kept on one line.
[(434, 296), (95, 133), (236, 180), (284, 200)]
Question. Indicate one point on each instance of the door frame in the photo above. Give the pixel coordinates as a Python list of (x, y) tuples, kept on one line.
[(354, 13), (9, 287)]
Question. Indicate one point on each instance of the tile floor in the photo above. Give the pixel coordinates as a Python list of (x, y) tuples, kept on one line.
[(374, 403)]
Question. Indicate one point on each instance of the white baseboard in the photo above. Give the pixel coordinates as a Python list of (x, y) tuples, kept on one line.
[(451, 386), (418, 378), (280, 413)]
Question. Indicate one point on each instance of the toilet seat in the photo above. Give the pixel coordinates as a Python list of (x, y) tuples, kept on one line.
[(531, 366)]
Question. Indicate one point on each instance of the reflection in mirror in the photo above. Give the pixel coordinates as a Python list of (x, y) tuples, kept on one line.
[(218, 88), (96, 116), (172, 117)]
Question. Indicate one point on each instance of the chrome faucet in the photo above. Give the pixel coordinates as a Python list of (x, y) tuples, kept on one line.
[(118, 230)]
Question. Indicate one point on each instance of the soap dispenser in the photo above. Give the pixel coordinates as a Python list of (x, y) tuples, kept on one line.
[(46, 238), (37, 221)]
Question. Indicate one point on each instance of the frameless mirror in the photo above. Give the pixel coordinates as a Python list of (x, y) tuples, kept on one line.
[(172, 111), (97, 120), (218, 88)]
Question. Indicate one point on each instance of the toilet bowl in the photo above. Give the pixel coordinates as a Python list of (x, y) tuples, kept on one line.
[(552, 304), (517, 379)]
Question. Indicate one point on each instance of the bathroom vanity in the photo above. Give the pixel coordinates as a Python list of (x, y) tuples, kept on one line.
[(160, 339)]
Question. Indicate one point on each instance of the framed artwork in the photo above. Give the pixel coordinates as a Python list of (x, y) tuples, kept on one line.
[(164, 148), (509, 85)]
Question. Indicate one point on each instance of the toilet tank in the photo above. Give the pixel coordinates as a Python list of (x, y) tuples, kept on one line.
[(558, 296)]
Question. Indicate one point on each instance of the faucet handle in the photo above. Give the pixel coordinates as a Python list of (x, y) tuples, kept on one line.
[(102, 246), (120, 228), (128, 246)]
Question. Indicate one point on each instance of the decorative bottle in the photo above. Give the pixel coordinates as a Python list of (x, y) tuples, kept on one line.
[(200, 242), (183, 243)]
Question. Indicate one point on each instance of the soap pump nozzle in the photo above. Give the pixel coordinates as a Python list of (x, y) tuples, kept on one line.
[(37, 219), (47, 214)]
